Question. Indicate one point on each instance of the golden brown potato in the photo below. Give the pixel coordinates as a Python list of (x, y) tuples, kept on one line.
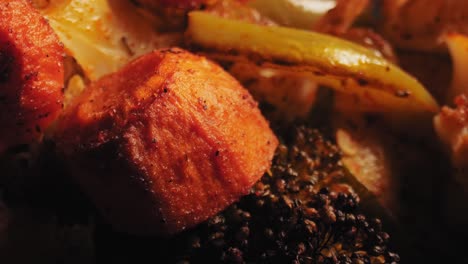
[(166, 142)]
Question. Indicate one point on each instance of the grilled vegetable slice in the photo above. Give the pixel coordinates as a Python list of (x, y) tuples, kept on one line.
[(374, 82), (31, 74), (166, 142)]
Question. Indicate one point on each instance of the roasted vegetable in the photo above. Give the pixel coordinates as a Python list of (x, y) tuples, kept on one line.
[(376, 84), (31, 74), (165, 143), (104, 35), (370, 162)]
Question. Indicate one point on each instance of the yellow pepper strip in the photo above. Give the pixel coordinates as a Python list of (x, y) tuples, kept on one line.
[(342, 65), (458, 47)]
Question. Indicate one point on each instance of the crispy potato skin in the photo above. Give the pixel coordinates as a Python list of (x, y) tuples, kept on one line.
[(166, 142), (31, 74)]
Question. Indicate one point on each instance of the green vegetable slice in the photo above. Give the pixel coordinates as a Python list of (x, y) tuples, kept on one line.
[(375, 84)]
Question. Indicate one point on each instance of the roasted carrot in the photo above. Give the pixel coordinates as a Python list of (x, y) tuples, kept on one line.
[(165, 142), (31, 74)]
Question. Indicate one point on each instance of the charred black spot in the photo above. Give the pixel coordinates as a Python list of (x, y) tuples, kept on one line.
[(30, 76), (362, 82), (203, 103)]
